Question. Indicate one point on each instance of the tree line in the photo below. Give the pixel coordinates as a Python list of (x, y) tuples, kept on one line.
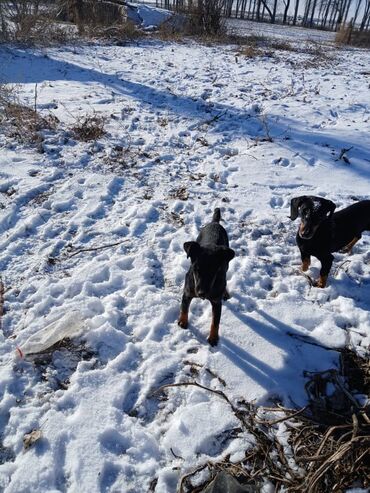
[(321, 14)]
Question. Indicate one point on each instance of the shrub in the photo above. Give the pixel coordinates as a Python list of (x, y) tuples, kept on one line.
[(117, 33), (20, 121), (205, 18), (25, 21), (90, 127), (348, 35)]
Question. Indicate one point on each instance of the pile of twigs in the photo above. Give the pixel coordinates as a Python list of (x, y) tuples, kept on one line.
[(328, 445)]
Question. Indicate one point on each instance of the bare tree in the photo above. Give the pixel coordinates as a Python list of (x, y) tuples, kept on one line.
[(359, 2), (286, 9), (366, 17), (18, 17), (295, 12)]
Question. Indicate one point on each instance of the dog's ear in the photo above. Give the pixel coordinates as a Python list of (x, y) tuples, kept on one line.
[(294, 206), (226, 254), (192, 249), (328, 206)]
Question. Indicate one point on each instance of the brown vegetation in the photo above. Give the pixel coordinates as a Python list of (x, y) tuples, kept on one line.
[(326, 445), (349, 36), (90, 127), (21, 121)]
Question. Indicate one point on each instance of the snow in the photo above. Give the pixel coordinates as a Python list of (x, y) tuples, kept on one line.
[(147, 16), (178, 116), (278, 31)]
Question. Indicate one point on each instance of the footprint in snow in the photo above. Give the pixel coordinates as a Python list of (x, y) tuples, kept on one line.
[(282, 161), (276, 202), (108, 476), (114, 442), (126, 263)]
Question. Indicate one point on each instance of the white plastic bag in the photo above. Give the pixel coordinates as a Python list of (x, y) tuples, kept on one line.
[(68, 325)]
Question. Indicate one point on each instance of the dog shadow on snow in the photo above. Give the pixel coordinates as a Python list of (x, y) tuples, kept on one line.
[(298, 351)]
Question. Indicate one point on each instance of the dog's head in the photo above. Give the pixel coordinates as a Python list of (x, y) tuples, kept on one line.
[(206, 264), (312, 211)]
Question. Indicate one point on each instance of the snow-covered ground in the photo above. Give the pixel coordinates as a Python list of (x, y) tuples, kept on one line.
[(278, 31), (187, 130)]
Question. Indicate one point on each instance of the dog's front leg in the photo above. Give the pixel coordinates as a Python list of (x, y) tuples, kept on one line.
[(216, 316), (306, 262), (305, 257), (326, 263), (184, 311)]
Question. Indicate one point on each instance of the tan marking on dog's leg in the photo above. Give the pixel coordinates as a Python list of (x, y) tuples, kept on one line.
[(351, 244), (183, 320), (321, 283), (306, 264), (213, 335)]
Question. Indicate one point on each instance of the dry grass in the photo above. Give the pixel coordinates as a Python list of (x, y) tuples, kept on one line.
[(26, 123), (53, 24), (169, 32), (116, 33), (92, 12), (361, 39), (89, 127), (250, 51), (21, 121), (343, 36), (282, 45), (205, 18), (180, 193), (348, 36), (26, 21), (328, 446)]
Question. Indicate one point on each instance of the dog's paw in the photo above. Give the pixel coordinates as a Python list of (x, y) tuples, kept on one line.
[(305, 265), (212, 340), (321, 282), (183, 320), (226, 295)]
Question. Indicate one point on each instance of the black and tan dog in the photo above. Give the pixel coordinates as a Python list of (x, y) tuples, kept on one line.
[(322, 231), (210, 256)]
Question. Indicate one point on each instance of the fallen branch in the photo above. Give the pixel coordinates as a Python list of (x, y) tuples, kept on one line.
[(102, 247), (307, 341), (343, 156), (311, 282), (318, 456), (284, 418), (53, 260), (336, 272)]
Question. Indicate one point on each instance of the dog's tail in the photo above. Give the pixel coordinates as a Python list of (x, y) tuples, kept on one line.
[(216, 215)]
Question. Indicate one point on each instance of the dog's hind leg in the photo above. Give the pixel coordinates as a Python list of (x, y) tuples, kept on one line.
[(351, 244), (216, 316), (184, 311)]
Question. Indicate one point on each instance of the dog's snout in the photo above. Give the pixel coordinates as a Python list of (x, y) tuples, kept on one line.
[(305, 231)]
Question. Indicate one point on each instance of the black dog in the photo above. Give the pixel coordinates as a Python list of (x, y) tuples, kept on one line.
[(322, 231), (210, 256)]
